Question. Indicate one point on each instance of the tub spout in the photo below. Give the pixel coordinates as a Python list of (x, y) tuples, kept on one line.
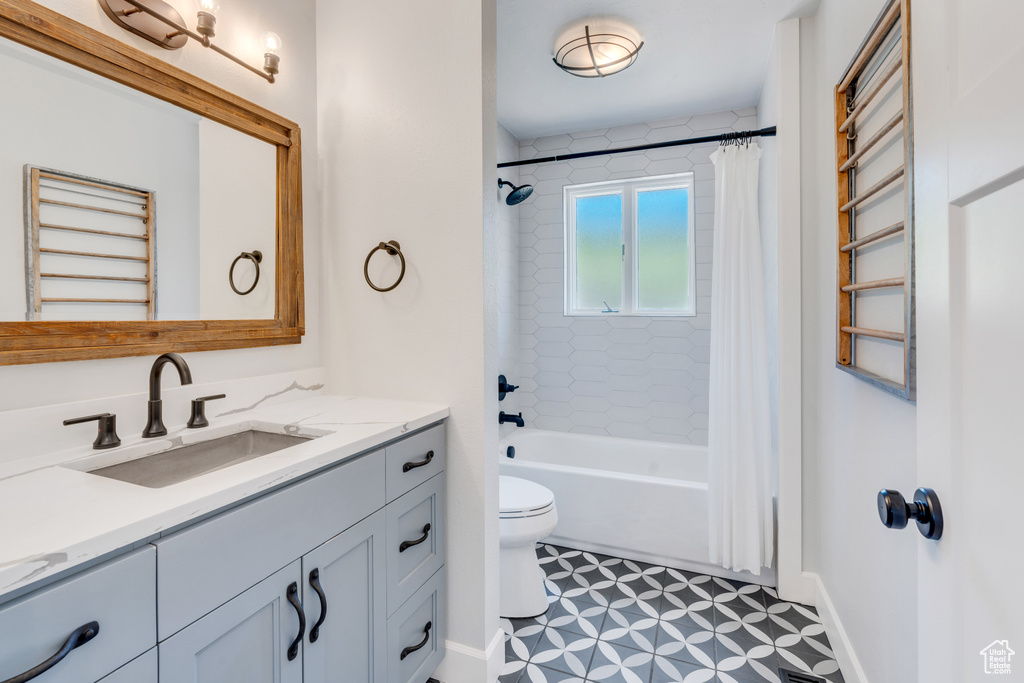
[(517, 419)]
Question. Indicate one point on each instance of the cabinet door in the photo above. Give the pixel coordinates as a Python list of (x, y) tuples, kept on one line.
[(245, 640), (141, 670), (349, 569)]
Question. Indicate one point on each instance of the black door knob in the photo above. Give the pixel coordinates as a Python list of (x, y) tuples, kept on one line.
[(895, 512)]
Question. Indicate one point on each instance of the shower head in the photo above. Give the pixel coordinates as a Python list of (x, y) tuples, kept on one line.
[(518, 194)]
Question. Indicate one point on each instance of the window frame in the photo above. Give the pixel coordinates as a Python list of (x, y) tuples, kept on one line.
[(629, 189)]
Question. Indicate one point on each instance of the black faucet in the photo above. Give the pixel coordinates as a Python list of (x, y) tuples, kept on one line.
[(503, 417), (155, 427)]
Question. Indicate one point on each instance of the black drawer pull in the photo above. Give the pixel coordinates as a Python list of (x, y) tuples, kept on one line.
[(409, 544), (426, 639), (314, 581), (81, 636), (422, 463), (293, 597)]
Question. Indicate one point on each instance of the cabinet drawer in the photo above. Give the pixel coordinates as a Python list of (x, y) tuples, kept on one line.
[(204, 566), (119, 595), (141, 670), (245, 641), (412, 461), (408, 633), (415, 540)]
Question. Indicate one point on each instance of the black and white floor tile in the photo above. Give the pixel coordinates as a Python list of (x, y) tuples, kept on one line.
[(618, 621)]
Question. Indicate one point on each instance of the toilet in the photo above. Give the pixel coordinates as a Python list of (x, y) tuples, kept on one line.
[(527, 515)]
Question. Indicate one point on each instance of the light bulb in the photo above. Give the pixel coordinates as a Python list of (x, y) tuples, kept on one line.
[(208, 6), (271, 43)]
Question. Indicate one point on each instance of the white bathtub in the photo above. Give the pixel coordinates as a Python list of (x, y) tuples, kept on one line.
[(639, 500)]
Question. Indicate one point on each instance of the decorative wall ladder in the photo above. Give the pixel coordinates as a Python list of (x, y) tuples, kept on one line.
[(93, 235), (864, 130)]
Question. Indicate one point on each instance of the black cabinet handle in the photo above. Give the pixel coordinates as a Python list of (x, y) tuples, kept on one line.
[(314, 582), (81, 636), (426, 639), (422, 463), (293, 597), (409, 544)]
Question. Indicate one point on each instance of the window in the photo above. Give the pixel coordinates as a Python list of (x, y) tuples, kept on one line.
[(629, 247)]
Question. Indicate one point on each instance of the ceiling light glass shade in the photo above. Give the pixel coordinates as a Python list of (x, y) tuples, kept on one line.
[(210, 6), (596, 55)]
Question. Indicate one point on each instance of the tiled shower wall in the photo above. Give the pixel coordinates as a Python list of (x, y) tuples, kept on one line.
[(507, 280), (635, 377)]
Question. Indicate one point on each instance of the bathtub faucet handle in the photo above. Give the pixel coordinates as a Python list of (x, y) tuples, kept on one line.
[(504, 387), (503, 417)]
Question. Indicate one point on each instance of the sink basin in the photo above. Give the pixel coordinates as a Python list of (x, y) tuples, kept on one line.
[(187, 462)]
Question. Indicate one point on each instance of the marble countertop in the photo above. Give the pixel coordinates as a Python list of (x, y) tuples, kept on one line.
[(60, 517)]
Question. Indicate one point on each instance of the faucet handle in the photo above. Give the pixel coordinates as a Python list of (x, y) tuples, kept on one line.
[(198, 418), (106, 436)]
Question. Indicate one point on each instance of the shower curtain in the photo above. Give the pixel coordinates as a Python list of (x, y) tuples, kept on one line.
[(739, 429)]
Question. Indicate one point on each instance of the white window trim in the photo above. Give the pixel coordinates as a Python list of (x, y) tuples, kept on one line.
[(628, 189)]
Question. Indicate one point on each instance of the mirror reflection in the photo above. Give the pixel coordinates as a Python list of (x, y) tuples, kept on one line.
[(115, 205)]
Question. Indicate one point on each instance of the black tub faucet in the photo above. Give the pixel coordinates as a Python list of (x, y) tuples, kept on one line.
[(503, 417), (155, 426)]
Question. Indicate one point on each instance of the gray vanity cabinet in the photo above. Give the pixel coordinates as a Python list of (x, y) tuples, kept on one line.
[(244, 641), (349, 646), (140, 670), (119, 596), (336, 578)]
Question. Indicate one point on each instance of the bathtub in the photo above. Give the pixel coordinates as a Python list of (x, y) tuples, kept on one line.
[(639, 500)]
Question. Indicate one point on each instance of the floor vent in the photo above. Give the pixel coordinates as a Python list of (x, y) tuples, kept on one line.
[(797, 677)]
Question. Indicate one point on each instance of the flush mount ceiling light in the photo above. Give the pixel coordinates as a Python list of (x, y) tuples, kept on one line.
[(159, 23), (594, 53)]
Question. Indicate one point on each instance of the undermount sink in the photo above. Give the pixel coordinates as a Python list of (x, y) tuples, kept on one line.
[(188, 462)]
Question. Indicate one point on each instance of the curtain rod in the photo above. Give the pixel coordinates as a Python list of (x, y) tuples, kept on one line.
[(763, 133)]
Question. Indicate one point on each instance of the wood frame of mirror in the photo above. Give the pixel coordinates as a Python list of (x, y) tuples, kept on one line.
[(46, 31)]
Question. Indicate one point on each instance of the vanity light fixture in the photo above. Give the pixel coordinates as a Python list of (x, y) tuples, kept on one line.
[(595, 54), (159, 23)]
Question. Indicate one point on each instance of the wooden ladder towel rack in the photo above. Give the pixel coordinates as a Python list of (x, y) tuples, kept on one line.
[(867, 90), (134, 219)]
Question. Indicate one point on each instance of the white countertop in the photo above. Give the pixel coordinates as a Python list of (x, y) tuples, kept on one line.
[(59, 517)]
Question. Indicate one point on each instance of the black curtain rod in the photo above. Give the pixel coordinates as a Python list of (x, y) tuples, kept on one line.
[(763, 133)]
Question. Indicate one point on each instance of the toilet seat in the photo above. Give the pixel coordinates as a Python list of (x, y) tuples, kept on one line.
[(520, 498)]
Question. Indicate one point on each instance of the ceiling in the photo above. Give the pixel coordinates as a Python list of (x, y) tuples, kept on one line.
[(699, 56)]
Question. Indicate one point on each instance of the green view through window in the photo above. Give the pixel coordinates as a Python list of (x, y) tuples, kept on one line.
[(630, 247)]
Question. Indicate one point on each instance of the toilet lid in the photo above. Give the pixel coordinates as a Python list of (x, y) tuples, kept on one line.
[(520, 497)]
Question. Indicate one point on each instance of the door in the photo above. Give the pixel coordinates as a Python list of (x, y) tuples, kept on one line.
[(246, 640), (346, 644), (969, 148)]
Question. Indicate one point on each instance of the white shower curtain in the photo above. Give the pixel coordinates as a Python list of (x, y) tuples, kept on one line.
[(739, 429)]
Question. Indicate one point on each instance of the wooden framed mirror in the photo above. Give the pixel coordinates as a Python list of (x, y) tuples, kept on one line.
[(36, 339)]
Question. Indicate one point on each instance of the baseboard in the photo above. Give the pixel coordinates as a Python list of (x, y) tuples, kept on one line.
[(463, 664), (849, 665), (766, 578)]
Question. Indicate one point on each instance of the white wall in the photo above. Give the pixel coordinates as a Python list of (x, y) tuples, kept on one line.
[(408, 152), (239, 28), (237, 212), (634, 377), (858, 439)]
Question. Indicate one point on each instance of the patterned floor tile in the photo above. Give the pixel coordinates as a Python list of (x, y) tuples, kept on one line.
[(522, 638), (542, 674), (577, 616), (619, 664), (630, 630), (564, 651), (621, 621), (672, 671), (686, 587)]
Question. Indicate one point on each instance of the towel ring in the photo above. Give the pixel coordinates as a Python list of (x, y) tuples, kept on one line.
[(256, 257), (392, 248)]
